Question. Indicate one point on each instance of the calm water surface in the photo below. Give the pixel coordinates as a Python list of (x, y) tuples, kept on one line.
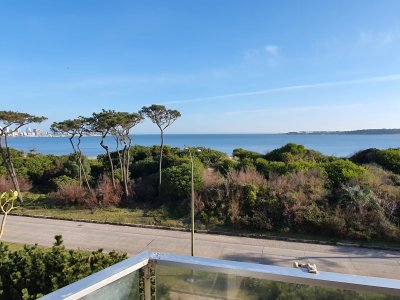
[(338, 145)]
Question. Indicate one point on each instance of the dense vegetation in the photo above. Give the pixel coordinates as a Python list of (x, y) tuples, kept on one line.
[(291, 189), (33, 271)]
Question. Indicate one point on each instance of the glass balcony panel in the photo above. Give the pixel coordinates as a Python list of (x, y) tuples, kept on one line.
[(125, 288), (185, 284)]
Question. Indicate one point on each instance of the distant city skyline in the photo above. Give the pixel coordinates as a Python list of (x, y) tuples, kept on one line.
[(227, 66)]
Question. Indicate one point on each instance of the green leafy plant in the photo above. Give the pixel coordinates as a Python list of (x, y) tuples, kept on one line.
[(7, 200)]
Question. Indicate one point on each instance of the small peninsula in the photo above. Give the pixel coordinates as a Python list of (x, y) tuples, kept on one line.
[(360, 131)]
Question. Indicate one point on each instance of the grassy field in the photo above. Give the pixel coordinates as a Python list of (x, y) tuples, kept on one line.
[(16, 246), (41, 205), (13, 246)]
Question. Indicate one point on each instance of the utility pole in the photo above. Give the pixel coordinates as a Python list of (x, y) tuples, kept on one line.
[(192, 196)]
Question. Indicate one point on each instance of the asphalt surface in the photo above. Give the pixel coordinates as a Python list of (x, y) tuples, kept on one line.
[(133, 240)]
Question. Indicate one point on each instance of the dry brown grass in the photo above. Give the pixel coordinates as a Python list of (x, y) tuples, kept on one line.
[(211, 178), (227, 198), (299, 192), (70, 194), (245, 177), (104, 195), (234, 210), (303, 187), (6, 184), (386, 186)]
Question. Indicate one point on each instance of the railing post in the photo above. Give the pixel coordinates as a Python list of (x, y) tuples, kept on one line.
[(149, 278)]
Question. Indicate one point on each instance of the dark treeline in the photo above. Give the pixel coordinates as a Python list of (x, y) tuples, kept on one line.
[(290, 189)]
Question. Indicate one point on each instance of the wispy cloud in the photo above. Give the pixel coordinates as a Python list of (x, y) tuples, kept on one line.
[(252, 53), (377, 39), (268, 54), (297, 109), (388, 78), (272, 50), (366, 40)]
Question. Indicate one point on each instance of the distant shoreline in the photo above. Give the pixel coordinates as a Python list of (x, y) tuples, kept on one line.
[(350, 132), (330, 144)]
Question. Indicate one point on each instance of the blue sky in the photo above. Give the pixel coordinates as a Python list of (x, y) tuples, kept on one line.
[(228, 66)]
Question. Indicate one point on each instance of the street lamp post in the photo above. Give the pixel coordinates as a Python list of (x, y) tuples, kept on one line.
[(192, 197)]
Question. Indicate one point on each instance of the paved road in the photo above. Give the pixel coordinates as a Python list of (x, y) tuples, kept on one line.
[(134, 240)]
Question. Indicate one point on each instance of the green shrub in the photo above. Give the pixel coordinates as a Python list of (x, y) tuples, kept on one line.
[(246, 164), (37, 166), (212, 198), (228, 165), (278, 167), (267, 214), (386, 186), (138, 153), (144, 167), (244, 188), (63, 180), (42, 169), (177, 181), (367, 156), (293, 152), (71, 166), (33, 271), (389, 159), (250, 192), (363, 214), (266, 167), (146, 189), (210, 157), (356, 198), (167, 150), (242, 154), (173, 159), (341, 171), (96, 169)]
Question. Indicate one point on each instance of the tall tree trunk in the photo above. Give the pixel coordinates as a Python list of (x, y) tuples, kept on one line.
[(80, 173), (105, 147), (160, 165), (124, 168), (123, 163), (128, 157), (82, 169), (77, 158), (117, 140), (11, 170)]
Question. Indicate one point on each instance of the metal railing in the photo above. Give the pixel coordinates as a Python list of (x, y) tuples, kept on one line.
[(144, 260)]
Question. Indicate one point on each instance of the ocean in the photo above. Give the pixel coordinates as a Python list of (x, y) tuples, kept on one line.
[(330, 144)]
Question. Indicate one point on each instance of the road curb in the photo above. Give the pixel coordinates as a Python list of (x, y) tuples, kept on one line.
[(217, 232)]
